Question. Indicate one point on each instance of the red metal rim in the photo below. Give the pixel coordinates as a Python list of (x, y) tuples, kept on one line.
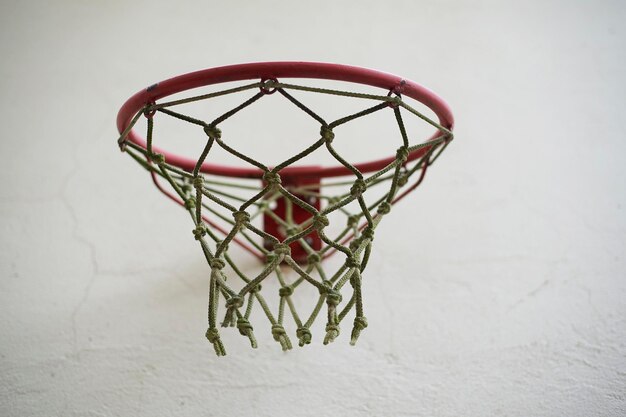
[(278, 70)]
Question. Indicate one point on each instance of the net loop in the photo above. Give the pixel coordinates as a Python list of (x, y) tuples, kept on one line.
[(149, 111), (394, 102), (268, 85)]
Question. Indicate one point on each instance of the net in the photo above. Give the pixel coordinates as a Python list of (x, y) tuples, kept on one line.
[(304, 219)]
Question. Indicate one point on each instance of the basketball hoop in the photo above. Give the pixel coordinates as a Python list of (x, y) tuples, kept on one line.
[(293, 202)]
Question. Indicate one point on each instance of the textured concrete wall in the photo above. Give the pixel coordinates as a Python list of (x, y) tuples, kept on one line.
[(512, 303)]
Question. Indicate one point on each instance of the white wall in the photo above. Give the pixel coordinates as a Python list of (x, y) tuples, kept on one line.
[(511, 304)]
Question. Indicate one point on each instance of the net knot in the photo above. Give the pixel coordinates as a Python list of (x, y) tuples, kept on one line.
[(285, 291), (270, 257), (368, 233), (352, 262), (333, 298), (282, 249), (358, 187), (313, 258), (360, 324), (245, 329), (157, 158), (256, 289), (264, 206), (272, 179), (279, 334), (213, 132), (327, 134), (277, 331), (402, 154), (355, 279), (353, 220), (190, 203), (241, 218), (216, 263), (222, 246), (304, 335), (355, 245), (199, 231), (244, 326), (122, 143), (403, 179), (291, 231), (384, 208), (213, 335), (320, 221), (332, 331), (198, 182), (236, 301), (232, 304)]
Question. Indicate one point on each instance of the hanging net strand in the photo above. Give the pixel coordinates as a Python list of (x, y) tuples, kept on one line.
[(223, 212)]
